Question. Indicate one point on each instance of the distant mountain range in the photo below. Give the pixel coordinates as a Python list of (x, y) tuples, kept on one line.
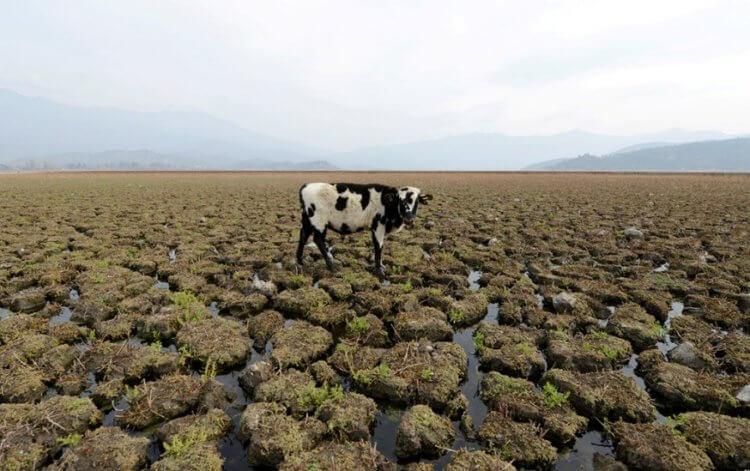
[(38, 134), (728, 155)]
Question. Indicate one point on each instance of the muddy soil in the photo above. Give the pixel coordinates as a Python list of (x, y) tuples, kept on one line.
[(160, 321)]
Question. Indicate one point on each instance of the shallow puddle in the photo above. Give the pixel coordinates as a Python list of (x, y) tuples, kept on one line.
[(61, 318), (581, 456), (4, 313), (667, 344)]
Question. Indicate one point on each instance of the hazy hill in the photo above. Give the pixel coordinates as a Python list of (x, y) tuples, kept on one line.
[(729, 155), (38, 128), (493, 151)]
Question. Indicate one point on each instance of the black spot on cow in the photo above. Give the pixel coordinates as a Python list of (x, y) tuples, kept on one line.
[(409, 197), (345, 229), (311, 210), (341, 203), (362, 190)]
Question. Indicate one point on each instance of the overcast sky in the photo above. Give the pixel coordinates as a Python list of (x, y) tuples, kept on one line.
[(345, 74)]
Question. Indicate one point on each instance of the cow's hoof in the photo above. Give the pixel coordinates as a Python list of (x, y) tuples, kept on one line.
[(300, 262), (332, 268), (379, 271)]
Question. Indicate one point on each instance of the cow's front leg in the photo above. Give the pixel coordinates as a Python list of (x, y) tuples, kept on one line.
[(320, 240), (378, 236)]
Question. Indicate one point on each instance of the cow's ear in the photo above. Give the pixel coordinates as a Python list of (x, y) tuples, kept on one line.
[(425, 198), (389, 198)]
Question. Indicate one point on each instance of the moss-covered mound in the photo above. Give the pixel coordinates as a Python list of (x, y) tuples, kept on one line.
[(212, 425), (196, 456), (329, 456), (550, 408), (510, 350), (29, 437), (301, 302), (476, 460), (261, 327), (106, 448), (300, 344), (224, 342), (590, 352), (602, 395), (160, 400), (423, 432), (426, 372), (656, 447), (271, 435), (521, 443), (726, 440), (424, 322), (633, 323)]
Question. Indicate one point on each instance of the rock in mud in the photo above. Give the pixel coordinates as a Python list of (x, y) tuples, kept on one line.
[(255, 374), (688, 355), (591, 352), (300, 344), (160, 400), (564, 302), (271, 435), (423, 432), (726, 440), (29, 439), (223, 341), (521, 443), (510, 350), (631, 233), (523, 403), (266, 288), (656, 447), (425, 322), (477, 460), (106, 448), (350, 456), (261, 327), (604, 395), (634, 324)]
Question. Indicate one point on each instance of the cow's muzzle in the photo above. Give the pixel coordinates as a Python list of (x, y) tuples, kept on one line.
[(409, 219)]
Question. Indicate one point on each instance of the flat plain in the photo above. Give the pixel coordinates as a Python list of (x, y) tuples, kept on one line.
[(543, 321)]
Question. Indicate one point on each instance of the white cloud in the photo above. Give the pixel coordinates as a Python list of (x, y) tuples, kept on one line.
[(342, 74)]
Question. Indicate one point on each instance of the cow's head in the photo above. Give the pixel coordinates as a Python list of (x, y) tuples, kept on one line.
[(409, 198)]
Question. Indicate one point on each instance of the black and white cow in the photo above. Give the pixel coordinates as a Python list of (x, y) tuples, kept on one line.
[(349, 207)]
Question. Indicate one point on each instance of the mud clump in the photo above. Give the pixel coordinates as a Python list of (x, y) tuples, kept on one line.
[(585, 353), (347, 416), (521, 443), (469, 310), (299, 345), (301, 302), (221, 341), (425, 322), (163, 399), (681, 388), (474, 460), (271, 435), (106, 448), (423, 432), (354, 456), (213, 425), (634, 324), (261, 327), (510, 350), (29, 439), (427, 372), (726, 440), (657, 447), (203, 456), (604, 395), (523, 403)]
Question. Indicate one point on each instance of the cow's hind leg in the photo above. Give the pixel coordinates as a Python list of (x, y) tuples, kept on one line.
[(320, 240), (304, 234)]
